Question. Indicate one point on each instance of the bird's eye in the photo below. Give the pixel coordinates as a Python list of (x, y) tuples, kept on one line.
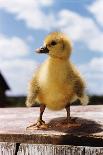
[(53, 43)]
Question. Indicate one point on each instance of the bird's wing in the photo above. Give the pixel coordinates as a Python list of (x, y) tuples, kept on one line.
[(77, 80), (32, 92), (79, 87)]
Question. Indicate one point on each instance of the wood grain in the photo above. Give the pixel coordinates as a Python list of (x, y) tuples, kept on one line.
[(90, 133)]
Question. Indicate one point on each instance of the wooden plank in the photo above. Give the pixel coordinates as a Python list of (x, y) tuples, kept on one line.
[(93, 150), (34, 149), (39, 149), (7, 148), (90, 133)]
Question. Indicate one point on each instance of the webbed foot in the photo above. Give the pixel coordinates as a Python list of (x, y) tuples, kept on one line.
[(39, 125)]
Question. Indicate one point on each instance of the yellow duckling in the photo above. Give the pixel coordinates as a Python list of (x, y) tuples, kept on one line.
[(57, 83)]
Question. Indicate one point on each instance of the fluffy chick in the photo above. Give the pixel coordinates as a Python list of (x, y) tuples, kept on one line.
[(57, 83)]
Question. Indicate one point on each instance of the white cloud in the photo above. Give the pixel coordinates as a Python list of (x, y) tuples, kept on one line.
[(18, 72), (79, 28), (30, 12), (93, 71), (46, 2), (82, 29), (12, 47), (97, 64), (14, 64), (97, 9)]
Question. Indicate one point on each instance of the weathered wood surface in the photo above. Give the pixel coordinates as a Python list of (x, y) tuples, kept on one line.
[(38, 149), (7, 148), (13, 123), (93, 151), (45, 149), (33, 149)]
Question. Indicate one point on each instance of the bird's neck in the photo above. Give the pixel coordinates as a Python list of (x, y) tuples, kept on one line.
[(54, 59)]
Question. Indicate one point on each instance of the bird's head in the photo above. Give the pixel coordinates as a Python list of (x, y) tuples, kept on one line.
[(57, 45)]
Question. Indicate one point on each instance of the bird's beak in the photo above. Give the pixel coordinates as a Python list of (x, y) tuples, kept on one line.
[(43, 49)]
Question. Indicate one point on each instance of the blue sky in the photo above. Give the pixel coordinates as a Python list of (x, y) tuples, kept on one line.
[(24, 25)]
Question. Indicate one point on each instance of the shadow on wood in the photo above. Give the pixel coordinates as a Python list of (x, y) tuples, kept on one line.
[(81, 135), (86, 126)]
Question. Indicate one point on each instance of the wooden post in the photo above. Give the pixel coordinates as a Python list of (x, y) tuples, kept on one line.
[(84, 139)]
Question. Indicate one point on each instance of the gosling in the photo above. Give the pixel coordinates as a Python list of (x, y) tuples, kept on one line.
[(57, 83)]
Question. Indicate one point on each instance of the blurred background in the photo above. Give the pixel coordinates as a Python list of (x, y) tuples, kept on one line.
[(23, 27)]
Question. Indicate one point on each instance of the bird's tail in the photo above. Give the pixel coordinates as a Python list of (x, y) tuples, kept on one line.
[(84, 99)]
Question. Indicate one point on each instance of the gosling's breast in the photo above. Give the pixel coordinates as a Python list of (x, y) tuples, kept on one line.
[(55, 91)]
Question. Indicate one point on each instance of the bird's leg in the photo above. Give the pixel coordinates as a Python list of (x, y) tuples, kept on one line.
[(70, 121), (40, 123), (42, 108)]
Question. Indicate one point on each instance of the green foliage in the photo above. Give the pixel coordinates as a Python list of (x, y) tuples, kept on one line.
[(18, 101)]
